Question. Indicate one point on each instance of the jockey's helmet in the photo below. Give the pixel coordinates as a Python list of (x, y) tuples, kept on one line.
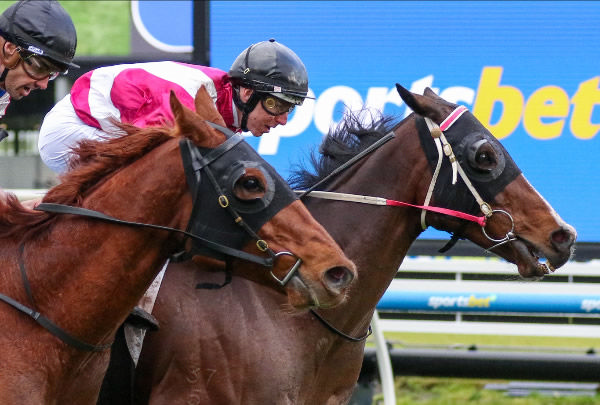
[(271, 67), (41, 28)]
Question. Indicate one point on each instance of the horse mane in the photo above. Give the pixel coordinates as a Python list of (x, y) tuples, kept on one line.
[(92, 161), (351, 136)]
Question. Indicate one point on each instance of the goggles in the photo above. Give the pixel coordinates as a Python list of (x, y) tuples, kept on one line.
[(38, 68), (276, 106)]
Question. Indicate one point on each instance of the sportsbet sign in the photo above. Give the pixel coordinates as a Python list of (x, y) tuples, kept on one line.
[(544, 114), (547, 113)]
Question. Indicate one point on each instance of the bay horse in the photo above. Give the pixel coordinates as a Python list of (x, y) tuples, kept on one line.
[(244, 351), (68, 281)]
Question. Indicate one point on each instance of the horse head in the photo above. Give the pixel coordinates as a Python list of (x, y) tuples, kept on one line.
[(250, 207), (520, 225)]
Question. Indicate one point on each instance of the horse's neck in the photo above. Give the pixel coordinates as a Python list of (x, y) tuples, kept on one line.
[(103, 267), (377, 238), (146, 190)]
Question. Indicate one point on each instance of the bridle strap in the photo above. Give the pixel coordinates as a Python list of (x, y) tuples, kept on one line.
[(436, 173), (339, 332), (349, 163), (438, 135), (215, 286), (45, 322), (67, 209), (237, 218), (53, 328), (437, 132), (364, 199), (453, 117), (204, 161), (24, 277)]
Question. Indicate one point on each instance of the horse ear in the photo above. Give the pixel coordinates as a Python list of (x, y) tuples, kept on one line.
[(430, 93), (184, 117), (205, 107), (176, 106), (412, 100), (188, 123), (427, 105)]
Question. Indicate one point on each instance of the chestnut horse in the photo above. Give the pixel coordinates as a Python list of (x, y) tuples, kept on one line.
[(78, 278), (234, 347)]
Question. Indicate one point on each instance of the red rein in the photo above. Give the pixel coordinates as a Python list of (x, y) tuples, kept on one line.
[(479, 220)]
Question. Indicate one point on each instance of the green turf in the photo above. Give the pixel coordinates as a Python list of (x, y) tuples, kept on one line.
[(492, 340), (452, 391)]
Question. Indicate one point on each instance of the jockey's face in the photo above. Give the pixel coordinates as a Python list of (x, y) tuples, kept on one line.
[(18, 82), (259, 120)]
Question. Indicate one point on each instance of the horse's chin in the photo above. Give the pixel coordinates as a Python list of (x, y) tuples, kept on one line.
[(531, 262)]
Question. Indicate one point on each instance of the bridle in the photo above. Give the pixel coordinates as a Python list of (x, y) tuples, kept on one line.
[(199, 161), (442, 145), (195, 162), (444, 149)]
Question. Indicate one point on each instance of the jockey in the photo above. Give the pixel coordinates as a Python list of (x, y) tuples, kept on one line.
[(266, 81), (37, 41)]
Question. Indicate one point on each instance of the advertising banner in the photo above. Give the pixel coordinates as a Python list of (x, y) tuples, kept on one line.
[(453, 301), (529, 71)]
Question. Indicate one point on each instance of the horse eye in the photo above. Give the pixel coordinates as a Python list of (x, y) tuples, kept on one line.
[(485, 158), (252, 184)]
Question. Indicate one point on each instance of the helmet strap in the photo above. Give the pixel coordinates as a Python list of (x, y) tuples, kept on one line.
[(3, 74), (246, 107)]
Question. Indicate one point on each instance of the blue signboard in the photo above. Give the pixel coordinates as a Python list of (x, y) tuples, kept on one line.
[(488, 302), (530, 71), (166, 25)]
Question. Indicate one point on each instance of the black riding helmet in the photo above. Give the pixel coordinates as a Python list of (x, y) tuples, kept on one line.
[(268, 67), (43, 28)]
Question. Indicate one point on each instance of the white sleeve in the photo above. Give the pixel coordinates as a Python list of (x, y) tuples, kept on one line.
[(61, 130)]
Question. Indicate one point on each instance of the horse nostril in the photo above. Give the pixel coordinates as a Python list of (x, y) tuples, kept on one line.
[(562, 239), (338, 277)]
